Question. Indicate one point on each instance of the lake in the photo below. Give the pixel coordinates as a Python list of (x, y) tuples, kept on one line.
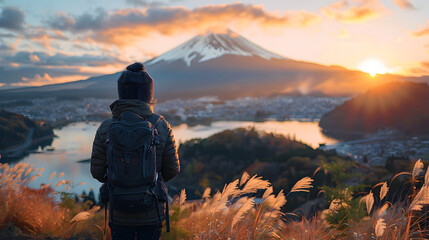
[(74, 143)]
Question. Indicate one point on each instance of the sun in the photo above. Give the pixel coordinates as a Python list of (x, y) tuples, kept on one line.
[(373, 67)]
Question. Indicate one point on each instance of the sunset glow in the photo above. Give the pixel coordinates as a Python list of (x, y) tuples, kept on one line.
[(373, 67)]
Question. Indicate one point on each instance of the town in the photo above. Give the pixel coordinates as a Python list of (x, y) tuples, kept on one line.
[(303, 108), (376, 148)]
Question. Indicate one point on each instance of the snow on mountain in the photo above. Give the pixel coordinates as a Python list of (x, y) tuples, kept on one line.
[(205, 47)]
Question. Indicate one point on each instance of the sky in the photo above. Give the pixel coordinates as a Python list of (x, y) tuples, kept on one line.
[(45, 42)]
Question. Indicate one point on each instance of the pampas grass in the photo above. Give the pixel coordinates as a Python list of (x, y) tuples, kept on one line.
[(380, 227), (242, 217), (417, 170), (35, 212), (246, 208), (302, 185), (383, 191), (231, 214), (369, 202)]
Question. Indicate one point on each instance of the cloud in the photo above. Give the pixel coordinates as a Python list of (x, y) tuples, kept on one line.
[(144, 3), (45, 79), (37, 80), (42, 37), (12, 18), (422, 32), (339, 5), (38, 33), (121, 26), (59, 59), (425, 65), (26, 68), (421, 70), (7, 35), (363, 10), (15, 73), (4, 47), (84, 22), (404, 4)]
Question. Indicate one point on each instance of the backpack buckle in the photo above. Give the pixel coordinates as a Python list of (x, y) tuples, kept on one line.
[(127, 157)]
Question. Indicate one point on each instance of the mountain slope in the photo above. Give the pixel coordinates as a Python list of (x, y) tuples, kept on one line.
[(397, 105)]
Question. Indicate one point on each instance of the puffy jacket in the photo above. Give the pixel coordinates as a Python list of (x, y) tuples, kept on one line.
[(166, 156)]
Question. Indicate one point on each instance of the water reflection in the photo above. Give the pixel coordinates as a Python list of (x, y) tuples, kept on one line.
[(307, 132), (74, 143)]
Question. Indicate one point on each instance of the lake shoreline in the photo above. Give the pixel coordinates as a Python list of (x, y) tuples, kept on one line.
[(70, 151)]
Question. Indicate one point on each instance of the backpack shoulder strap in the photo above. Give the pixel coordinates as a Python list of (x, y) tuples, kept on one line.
[(154, 119)]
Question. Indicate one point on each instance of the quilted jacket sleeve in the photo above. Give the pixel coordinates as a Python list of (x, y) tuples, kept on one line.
[(98, 155), (170, 157)]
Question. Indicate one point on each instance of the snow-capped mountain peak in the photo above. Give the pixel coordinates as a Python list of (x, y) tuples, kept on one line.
[(210, 46)]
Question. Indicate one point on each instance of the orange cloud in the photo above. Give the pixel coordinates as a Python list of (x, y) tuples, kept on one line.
[(127, 25), (405, 4), (423, 31), (339, 5), (43, 36), (38, 80), (363, 11), (422, 70), (45, 79), (34, 58)]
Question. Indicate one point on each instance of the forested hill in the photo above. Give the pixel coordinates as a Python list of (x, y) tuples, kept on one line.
[(224, 156), (397, 105), (14, 129)]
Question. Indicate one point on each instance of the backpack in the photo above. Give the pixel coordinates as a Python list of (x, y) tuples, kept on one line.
[(131, 158)]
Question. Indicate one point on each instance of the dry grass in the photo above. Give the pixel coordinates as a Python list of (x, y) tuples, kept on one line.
[(35, 212), (233, 213)]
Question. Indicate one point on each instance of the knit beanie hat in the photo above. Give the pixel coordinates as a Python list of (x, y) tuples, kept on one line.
[(135, 83)]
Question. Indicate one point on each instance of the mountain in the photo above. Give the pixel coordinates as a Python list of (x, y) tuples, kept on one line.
[(224, 65), (397, 105), (203, 48)]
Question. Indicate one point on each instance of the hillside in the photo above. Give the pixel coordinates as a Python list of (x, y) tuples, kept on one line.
[(401, 106), (14, 129), (224, 156)]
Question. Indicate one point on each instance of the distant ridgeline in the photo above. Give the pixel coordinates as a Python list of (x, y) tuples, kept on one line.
[(15, 128), (400, 106)]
